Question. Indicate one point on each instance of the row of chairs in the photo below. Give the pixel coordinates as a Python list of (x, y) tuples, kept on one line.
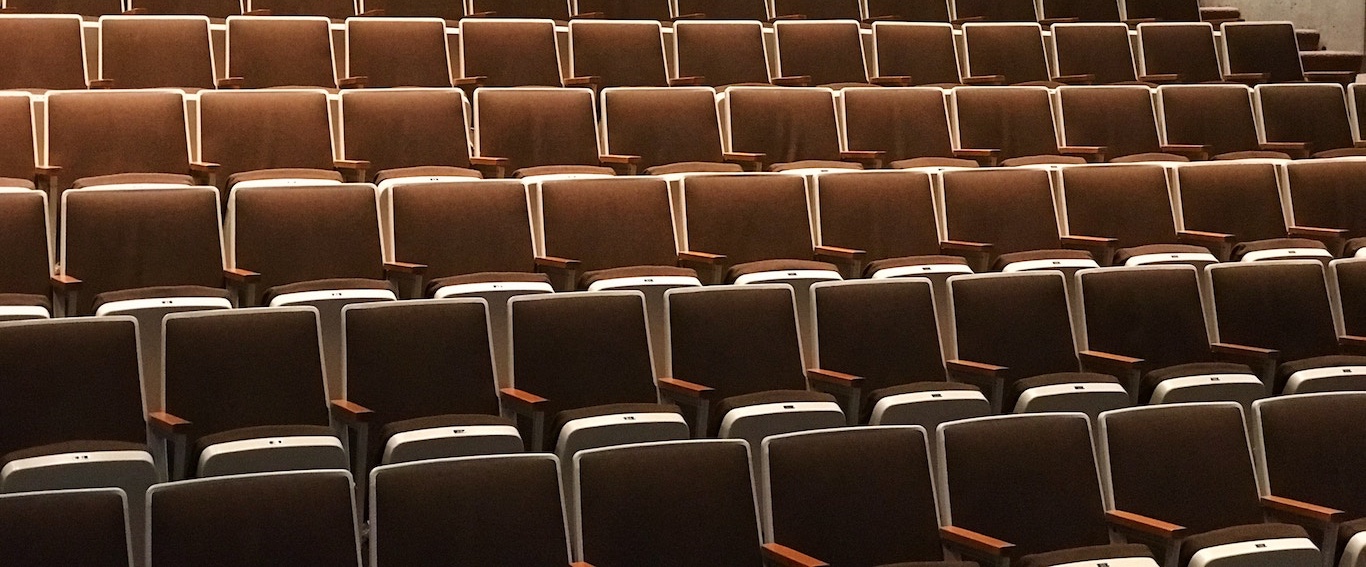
[(1182, 485), (48, 52)]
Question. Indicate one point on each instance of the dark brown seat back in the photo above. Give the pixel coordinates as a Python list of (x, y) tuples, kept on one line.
[(1094, 49), (1313, 113), (16, 137), (462, 228), (1153, 313), (1183, 49), (444, 9), (109, 132), (299, 234), (906, 123), (725, 9), (662, 125), (881, 330), (332, 9), (1328, 193), (1083, 10), (817, 9), (87, 8), (1129, 203), (534, 127), (786, 124), (1242, 199), (925, 52), (1163, 10), (1120, 118), (1219, 116), (736, 339), (619, 53), (1277, 305), (1351, 279), (1014, 51), (141, 52), (827, 51), (398, 52), (70, 527), (1304, 453), (885, 214), (24, 252), (397, 128), (509, 53), (995, 10), (1011, 209), (211, 8), (1263, 47), (1019, 321), (265, 129), (722, 53), (609, 222), (1016, 120), (281, 51), (539, 9), (42, 53), (748, 217), (909, 10), (657, 10)]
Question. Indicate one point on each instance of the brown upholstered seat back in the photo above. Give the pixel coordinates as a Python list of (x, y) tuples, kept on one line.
[(817, 9), (449, 11), (1097, 49), (619, 53), (910, 10), (583, 349), (1307, 455), (1119, 118), (107, 132), (1045, 460), (465, 518), (736, 339), (1312, 113), (1016, 120), (1184, 49), (1011, 209), (1084, 10), (1126, 202), (1019, 321), (1242, 199), (1281, 306), (609, 222), (283, 51), (299, 234), (71, 527), (880, 475), (904, 122), (510, 53), (748, 218), (722, 53), (82, 7), (827, 51), (16, 136), (1328, 193), (924, 52), (210, 8), (1263, 47), (462, 228), (407, 52), (627, 9), (786, 124), (250, 130), (996, 10), (663, 125), (23, 243), (395, 128), (534, 127), (725, 9), (140, 52), (1014, 51), (1219, 116), (131, 238), (41, 53), (885, 214), (333, 9), (1201, 447), (1163, 10), (1358, 99), (1153, 313), (1351, 279), (71, 380), (234, 368), (547, 9), (882, 330)]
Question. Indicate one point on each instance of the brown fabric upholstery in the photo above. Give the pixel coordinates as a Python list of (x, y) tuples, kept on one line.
[(1342, 382), (725, 9), (1011, 209), (628, 9), (90, 393), (1018, 321), (1242, 199), (1263, 47), (41, 53), (1083, 554), (1128, 203), (23, 243), (664, 126), (449, 11), (924, 52), (813, 164), (260, 432), (590, 278), (181, 47), (301, 234), (463, 228), (535, 127), (299, 518), (1043, 160), (25, 300), (785, 124), (465, 518), (426, 171), (71, 447), (133, 178), (1032, 255), (620, 54), (16, 141), (326, 284), (1019, 387), (1084, 10), (883, 331), (1305, 456), (1164, 10), (1312, 113), (395, 129), (278, 52), (910, 10), (562, 170), (885, 214), (1014, 51), (1235, 534), (906, 123), (1150, 313), (509, 54), (1018, 121), (1357, 97), (1219, 116), (708, 486), (880, 476), (829, 52), (932, 162), (1183, 49), (818, 9), (1351, 277), (559, 420), (397, 53), (250, 130), (723, 53), (995, 10), (1252, 154), (435, 422), (737, 340), (609, 222), (89, 8), (1100, 49), (93, 133), (1278, 306), (127, 239), (217, 9), (1049, 459), (333, 9), (748, 217), (548, 9), (65, 528)]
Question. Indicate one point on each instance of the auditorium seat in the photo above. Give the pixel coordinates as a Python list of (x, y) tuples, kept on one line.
[(830, 52), (880, 477), (18, 162), (793, 127), (398, 52), (737, 364), (1047, 458), (657, 10), (1182, 476), (673, 130), (450, 12), (294, 518), (1356, 102), (1163, 10), (1235, 210), (1120, 119), (89, 9), (74, 396), (1086, 11), (428, 397), (141, 52), (509, 53), (335, 10), (1015, 51), (994, 11), (615, 53), (1146, 326), (798, 10), (1280, 314), (1271, 49), (1123, 215), (583, 374), (1325, 197), (216, 10), (1186, 50), (495, 510), (725, 53), (1005, 220), (725, 9), (43, 52), (1218, 116), (543, 131), (936, 11), (67, 527), (244, 393), (1349, 277), (879, 349), (411, 136), (925, 52), (25, 256), (909, 126), (557, 10), (1101, 50), (1310, 113), (1307, 475), (282, 51), (1018, 123), (885, 222)]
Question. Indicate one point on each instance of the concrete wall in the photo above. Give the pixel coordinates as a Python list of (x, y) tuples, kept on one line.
[(1342, 22)]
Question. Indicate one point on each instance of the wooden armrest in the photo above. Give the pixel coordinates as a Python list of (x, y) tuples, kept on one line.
[(1101, 248), (351, 412), (490, 161), (685, 388), (1201, 235), (476, 81), (1218, 243), (960, 21), (1247, 78), (619, 159), (591, 15), (230, 82), (1091, 153), (838, 252), (984, 157), (1345, 77), (1352, 344), (556, 262), (48, 170), (833, 377), (695, 81), (1133, 22), (744, 157), (1079, 79), (1195, 152), (1088, 240), (580, 564), (582, 81), (66, 283), (891, 81), (351, 164), (783, 556), (792, 81), (204, 167), (870, 159), (976, 368), (1145, 525), (1050, 21), (965, 246), (1160, 78), (984, 80), (101, 83), (1106, 358), (240, 275), (167, 423), (1321, 515), (1298, 150), (977, 542), (374, 13), (522, 401), (977, 254), (1244, 351), (352, 82), (702, 257), (405, 268)]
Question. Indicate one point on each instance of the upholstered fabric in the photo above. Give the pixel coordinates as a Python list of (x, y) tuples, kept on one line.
[(1354, 382), (693, 167), (910, 125), (1011, 209), (1252, 154), (995, 10), (1312, 113), (1219, 116), (1032, 255), (1235, 534), (259, 432), (932, 162), (401, 131), (1119, 118), (284, 173), (1154, 314), (426, 171), (619, 53), (486, 277), (25, 300), (1325, 192), (736, 340), (559, 420), (813, 164), (1263, 47), (463, 228), (523, 9), (378, 444), (158, 292), (1013, 51), (104, 133), (244, 131), (673, 130), (126, 45), (448, 11), (1043, 160), (1100, 50), (562, 170), (590, 278), (214, 9), (65, 528), (829, 52), (133, 179), (1094, 194), (397, 53), (787, 124), (1184, 47), (75, 446), (42, 53), (23, 242), (1150, 156), (1123, 255), (1018, 387), (884, 332), (1277, 306), (608, 222), (724, 9), (992, 314), (748, 218), (509, 53), (1242, 199), (9, 182), (1016, 121), (1083, 554), (925, 53), (86, 8), (270, 52), (1353, 303), (742, 60), (1305, 457)]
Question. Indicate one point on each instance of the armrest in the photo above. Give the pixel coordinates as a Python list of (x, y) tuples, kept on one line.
[(869, 159), (960, 21), (405, 268), (1244, 351), (351, 413), (374, 12), (230, 82), (204, 167), (167, 424), (491, 167), (978, 254), (687, 81), (685, 388), (589, 82), (1352, 344), (1102, 249), (1050, 21), (1160, 78), (522, 402), (1094, 154), (782, 556), (984, 80), (1079, 79), (356, 168), (1262, 361), (985, 157), (1248, 79), (891, 81), (352, 82), (1344, 77), (749, 160), (837, 252), (1133, 22), (848, 260), (401, 273), (101, 83), (1218, 243), (984, 544), (1193, 152), (975, 368), (792, 81), (623, 164), (242, 284), (834, 378), (710, 267), (1320, 515), (1334, 238), (563, 272), (1297, 150), (593, 15), (1144, 525)]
